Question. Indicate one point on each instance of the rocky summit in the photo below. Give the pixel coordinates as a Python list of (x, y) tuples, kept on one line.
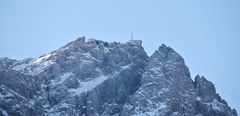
[(97, 78)]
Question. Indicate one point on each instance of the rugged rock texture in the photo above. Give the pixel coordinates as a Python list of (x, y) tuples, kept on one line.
[(94, 78)]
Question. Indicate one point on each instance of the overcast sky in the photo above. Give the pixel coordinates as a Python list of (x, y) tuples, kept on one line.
[(205, 32)]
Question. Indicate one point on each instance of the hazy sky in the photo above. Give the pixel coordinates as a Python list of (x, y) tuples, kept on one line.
[(205, 32)]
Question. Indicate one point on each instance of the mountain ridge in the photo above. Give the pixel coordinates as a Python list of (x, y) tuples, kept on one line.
[(106, 78)]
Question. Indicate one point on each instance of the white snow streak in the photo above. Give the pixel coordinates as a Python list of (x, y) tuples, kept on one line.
[(89, 85), (43, 58), (126, 66)]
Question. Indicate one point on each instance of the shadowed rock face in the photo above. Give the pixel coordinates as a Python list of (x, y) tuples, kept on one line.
[(99, 78)]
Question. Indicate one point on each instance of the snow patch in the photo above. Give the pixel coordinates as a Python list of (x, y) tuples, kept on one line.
[(153, 112), (106, 50), (7, 94), (63, 49), (215, 105), (128, 106), (126, 66), (34, 66), (65, 105), (71, 57), (163, 90), (42, 58), (23, 67), (162, 106), (1, 96), (4, 112), (175, 113), (156, 69), (89, 85), (63, 77), (87, 55), (198, 99)]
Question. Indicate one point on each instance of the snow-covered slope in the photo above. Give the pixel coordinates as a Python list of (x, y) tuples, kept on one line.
[(99, 78)]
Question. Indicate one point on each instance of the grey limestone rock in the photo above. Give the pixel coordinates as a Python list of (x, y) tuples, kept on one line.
[(97, 78)]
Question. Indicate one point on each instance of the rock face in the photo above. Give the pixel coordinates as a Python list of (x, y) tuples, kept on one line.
[(95, 78)]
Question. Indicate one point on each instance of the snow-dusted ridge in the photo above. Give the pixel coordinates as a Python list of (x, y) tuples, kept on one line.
[(34, 66), (97, 78)]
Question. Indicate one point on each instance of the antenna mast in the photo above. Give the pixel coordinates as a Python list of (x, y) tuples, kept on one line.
[(132, 36)]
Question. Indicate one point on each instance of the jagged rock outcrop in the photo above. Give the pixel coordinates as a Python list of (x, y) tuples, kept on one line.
[(99, 78), (208, 101), (5, 63)]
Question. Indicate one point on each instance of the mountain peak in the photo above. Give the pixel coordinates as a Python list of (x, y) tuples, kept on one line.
[(135, 42), (95, 78), (79, 41), (165, 49), (165, 53)]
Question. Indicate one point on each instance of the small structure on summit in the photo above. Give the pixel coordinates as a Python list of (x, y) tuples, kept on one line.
[(134, 42)]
